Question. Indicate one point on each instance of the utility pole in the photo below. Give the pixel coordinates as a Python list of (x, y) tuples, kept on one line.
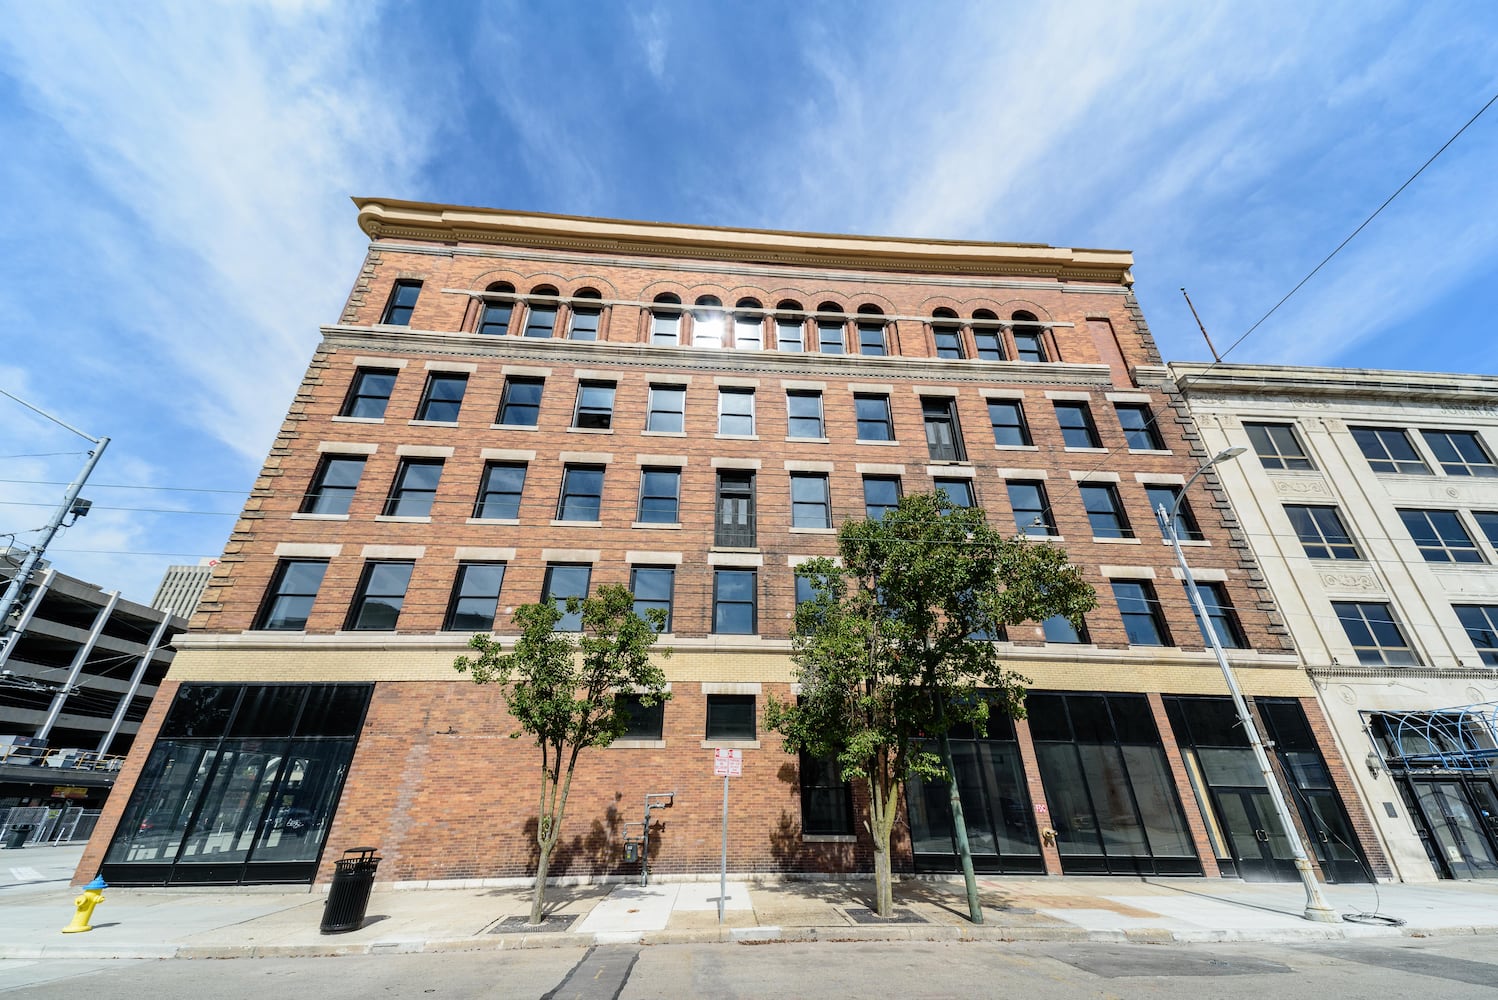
[(1201, 326), (70, 505)]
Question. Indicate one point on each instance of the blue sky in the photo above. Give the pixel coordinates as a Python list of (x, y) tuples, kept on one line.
[(175, 217)]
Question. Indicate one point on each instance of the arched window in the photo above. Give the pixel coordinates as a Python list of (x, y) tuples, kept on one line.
[(870, 328), (585, 315), (947, 331), (790, 326), (831, 328), (988, 336), (541, 315), (707, 322), (748, 325), (494, 317), (1029, 341), (665, 320)]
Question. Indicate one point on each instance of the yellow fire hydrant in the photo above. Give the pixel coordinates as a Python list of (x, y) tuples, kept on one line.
[(93, 895)]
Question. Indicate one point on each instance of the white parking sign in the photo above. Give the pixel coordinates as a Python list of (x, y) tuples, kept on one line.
[(728, 763)]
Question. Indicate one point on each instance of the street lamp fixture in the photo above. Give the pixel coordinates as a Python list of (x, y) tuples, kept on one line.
[(1316, 906)]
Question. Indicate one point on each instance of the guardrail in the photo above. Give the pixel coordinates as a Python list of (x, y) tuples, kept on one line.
[(71, 759), (48, 825)]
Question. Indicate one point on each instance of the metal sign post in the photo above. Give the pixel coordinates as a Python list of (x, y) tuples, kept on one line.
[(728, 763)]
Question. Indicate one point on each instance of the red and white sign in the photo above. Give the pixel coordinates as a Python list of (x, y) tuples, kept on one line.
[(728, 763)]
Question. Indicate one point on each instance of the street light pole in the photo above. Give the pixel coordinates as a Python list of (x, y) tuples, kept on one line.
[(1316, 906)]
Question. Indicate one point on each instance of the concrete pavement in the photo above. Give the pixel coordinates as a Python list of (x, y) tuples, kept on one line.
[(276, 921)]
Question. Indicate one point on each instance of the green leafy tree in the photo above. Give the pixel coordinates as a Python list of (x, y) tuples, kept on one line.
[(893, 651), (562, 689)]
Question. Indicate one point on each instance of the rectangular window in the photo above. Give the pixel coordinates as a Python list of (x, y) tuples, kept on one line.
[(881, 494), (749, 333), (707, 328), (811, 507), (1388, 449), (730, 717), (1139, 427), (521, 404), (289, 599), (1077, 428), (1032, 511), (830, 336), (1441, 536), (1220, 614), (1460, 453), (369, 393), (871, 339), (735, 523), (943, 433), (660, 496), (789, 334), (595, 406), (565, 580), (1374, 633), (665, 328), (1321, 532), (948, 341), (402, 302), (990, 344), (1008, 419), (1481, 623), (641, 721), (1058, 629), (873, 417), (1029, 344), (584, 325), (540, 320), (667, 411), (736, 412), (582, 493), (499, 491), (958, 491), (378, 600), (333, 486), (475, 598), (1105, 511), (495, 320), (415, 488), (826, 799), (1185, 522), (1144, 622), (1487, 520), (804, 414), (652, 587), (443, 397), (735, 604), (1278, 446)]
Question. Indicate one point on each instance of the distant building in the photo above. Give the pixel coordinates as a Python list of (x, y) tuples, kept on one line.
[(182, 587)]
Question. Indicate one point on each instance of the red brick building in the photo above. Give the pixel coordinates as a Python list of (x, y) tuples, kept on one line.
[(516, 406)]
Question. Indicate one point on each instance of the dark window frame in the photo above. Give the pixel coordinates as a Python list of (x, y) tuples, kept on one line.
[(721, 603), (728, 417), (359, 398), (509, 406), (1074, 417), (333, 498), (667, 604), (938, 414), (1187, 528), (884, 506), (276, 595), (1114, 520), (461, 595), (1140, 429), (570, 621), (653, 503), (359, 613), (807, 509), (404, 498), (673, 421), (400, 305), (589, 412), (431, 401), (574, 496), (1026, 516), (1221, 614), (884, 424), (489, 496), (741, 489), (794, 419), (718, 728), (1018, 428), (1143, 608)]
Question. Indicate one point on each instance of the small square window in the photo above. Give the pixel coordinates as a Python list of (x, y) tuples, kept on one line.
[(881, 494), (1029, 344), (333, 486), (1460, 453), (990, 344), (1321, 532), (1032, 511), (1144, 621), (378, 600), (1139, 427), (369, 393), (1388, 449), (735, 602), (415, 488), (830, 336), (948, 341), (959, 491), (804, 414), (1374, 633), (584, 325), (811, 507), (871, 339), (641, 721), (540, 321), (730, 717), (565, 580), (1007, 417), (500, 490), (402, 302), (595, 406), (582, 493), (521, 403), (1278, 446), (872, 413), (789, 334), (288, 600), (443, 397), (667, 411), (475, 597), (660, 496), (652, 587), (736, 412), (494, 321), (1170, 498), (1105, 511), (1441, 536), (1077, 428), (1220, 613)]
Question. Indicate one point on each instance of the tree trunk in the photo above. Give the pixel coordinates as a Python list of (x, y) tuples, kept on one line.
[(959, 832), (542, 865), (882, 807)]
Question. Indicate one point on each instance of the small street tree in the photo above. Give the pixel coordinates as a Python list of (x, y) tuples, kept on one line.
[(562, 689), (895, 650)]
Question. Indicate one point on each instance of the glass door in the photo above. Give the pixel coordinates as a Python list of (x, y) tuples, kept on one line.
[(1259, 847), (1459, 833)]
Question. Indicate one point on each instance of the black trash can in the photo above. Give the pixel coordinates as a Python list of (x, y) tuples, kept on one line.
[(17, 837), (348, 897)]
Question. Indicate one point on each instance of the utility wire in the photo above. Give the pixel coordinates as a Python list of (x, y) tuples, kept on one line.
[(127, 486)]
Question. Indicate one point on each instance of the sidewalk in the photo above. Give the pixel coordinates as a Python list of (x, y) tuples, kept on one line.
[(257, 921)]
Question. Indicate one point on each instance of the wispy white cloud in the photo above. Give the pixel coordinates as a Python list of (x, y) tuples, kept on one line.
[(652, 28)]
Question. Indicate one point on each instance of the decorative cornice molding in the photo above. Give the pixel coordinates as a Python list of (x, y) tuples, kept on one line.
[(1221, 384)]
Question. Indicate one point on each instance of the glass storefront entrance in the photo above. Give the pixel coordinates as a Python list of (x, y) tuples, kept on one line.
[(240, 786)]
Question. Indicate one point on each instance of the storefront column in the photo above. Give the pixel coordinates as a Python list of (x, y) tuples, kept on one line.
[(1195, 822), (1049, 855)]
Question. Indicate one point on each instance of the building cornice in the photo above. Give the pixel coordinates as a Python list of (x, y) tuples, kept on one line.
[(384, 219), (1403, 673), (1197, 379)]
